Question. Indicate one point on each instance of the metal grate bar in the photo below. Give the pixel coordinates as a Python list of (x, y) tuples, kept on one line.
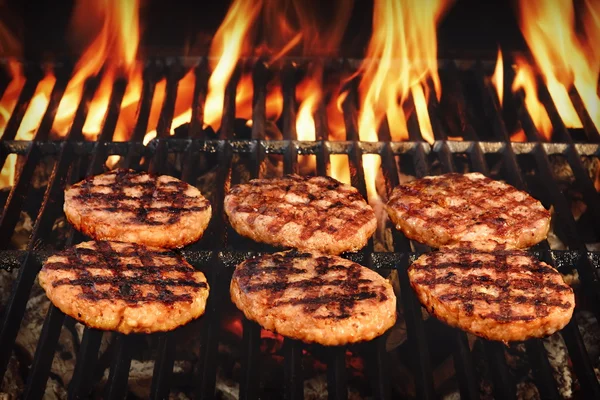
[(209, 337), (288, 88), (150, 77), (581, 361), (504, 385), (200, 91), (380, 368), (292, 369), (113, 111), (589, 127), (87, 356), (42, 360), (12, 126), (349, 107), (89, 89), (421, 365), (337, 385), (43, 131), (163, 127), (490, 104), (463, 365), (13, 312), (259, 101), (228, 119), (542, 371), (250, 364), (415, 133), (163, 367), (116, 387)]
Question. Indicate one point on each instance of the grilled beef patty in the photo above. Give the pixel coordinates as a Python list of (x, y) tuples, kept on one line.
[(470, 208), (314, 297), (505, 295), (306, 213), (138, 207), (124, 287)]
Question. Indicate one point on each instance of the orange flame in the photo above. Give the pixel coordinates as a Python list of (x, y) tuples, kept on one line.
[(565, 58), (404, 41), (498, 77), (11, 94), (114, 47), (226, 48), (525, 79)]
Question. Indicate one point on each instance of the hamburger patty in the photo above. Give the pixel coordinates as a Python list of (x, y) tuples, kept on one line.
[(124, 287), (452, 208), (138, 207), (505, 295), (306, 213), (314, 297)]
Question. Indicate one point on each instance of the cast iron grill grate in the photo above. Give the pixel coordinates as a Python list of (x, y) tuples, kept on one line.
[(527, 166)]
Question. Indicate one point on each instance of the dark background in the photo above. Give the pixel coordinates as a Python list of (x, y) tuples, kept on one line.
[(469, 28)]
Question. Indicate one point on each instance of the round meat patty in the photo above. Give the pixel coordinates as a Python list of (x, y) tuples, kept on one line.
[(506, 295), (124, 287), (306, 213), (138, 207), (470, 208), (315, 298)]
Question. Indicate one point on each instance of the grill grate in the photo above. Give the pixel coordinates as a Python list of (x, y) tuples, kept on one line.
[(524, 165)]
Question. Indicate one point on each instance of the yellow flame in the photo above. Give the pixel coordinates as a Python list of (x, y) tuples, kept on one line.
[(422, 113), (564, 57), (11, 94), (226, 48), (115, 46), (525, 79), (498, 77), (404, 43)]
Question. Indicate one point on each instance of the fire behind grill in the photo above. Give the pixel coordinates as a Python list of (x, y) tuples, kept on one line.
[(237, 153)]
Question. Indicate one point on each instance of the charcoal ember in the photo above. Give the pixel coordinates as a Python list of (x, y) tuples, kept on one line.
[(590, 332), (13, 383), (22, 232), (558, 357), (563, 174), (527, 391), (207, 184)]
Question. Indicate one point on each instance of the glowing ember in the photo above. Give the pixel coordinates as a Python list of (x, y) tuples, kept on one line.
[(498, 77), (404, 41), (525, 79), (566, 58)]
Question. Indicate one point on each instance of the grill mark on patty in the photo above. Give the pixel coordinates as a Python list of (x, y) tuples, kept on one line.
[(281, 267), (264, 197), (485, 200), (121, 286), (538, 292), (151, 190)]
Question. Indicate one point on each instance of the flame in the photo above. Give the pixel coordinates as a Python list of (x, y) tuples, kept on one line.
[(422, 113), (183, 104), (310, 91), (565, 57), (525, 79), (498, 77), (404, 41), (36, 109), (11, 94), (518, 136), (113, 48), (226, 48)]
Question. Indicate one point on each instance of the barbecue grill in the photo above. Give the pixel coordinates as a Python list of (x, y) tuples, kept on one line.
[(239, 153)]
